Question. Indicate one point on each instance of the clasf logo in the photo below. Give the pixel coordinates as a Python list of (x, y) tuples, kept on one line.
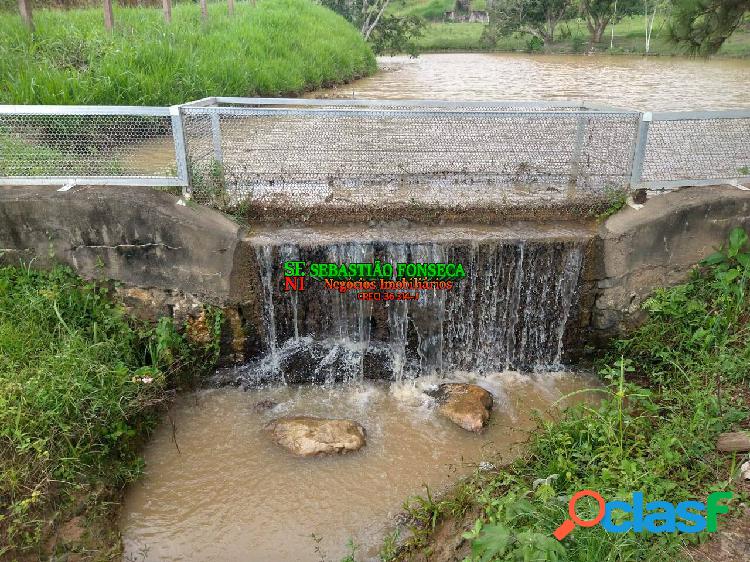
[(658, 516)]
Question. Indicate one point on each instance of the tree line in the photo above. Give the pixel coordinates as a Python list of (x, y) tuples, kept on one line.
[(701, 26)]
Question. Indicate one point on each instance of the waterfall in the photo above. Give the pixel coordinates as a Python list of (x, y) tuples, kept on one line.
[(509, 312)]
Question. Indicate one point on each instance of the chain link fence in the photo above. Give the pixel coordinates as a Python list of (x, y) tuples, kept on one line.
[(313, 151), (701, 147), (110, 145), (223, 151)]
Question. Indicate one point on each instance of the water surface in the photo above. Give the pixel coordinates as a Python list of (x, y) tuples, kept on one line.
[(228, 493), (643, 83)]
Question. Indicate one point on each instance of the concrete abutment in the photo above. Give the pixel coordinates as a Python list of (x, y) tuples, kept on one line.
[(169, 258)]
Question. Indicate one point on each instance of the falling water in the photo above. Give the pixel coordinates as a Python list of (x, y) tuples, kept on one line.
[(509, 312)]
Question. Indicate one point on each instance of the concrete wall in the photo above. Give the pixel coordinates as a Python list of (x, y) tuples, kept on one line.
[(170, 257), (167, 254), (657, 246)]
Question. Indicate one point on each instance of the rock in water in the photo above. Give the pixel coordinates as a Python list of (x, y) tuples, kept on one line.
[(307, 436), (466, 405)]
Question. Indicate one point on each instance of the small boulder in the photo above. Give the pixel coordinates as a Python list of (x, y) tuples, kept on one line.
[(308, 436), (745, 471), (467, 405), (736, 442)]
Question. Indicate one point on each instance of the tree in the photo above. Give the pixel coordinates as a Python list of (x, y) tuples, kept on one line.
[(386, 33), (109, 18), (167, 9), (396, 34), (24, 6), (601, 13), (702, 26), (534, 17), (363, 14)]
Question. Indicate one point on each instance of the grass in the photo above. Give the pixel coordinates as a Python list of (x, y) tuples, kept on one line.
[(571, 37), (80, 384), (671, 387), (452, 37), (431, 10), (22, 158), (280, 47)]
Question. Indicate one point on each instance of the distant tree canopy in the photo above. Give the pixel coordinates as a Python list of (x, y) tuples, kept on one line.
[(535, 17), (386, 33), (702, 26)]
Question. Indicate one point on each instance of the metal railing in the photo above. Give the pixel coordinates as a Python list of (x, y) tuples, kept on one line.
[(222, 150), (110, 145), (262, 148)]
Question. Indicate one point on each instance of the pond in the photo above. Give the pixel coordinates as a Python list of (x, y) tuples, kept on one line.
[(643, 83), (217, 488)]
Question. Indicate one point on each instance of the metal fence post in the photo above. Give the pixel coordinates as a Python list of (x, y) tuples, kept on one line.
[(575, 161), (216, 136), (178, 133), (639, 150)]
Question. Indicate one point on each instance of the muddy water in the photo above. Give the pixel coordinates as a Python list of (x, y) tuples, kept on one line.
[(644, 83), (228, 493)]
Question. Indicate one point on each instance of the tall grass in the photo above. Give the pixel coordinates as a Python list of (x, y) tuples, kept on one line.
[(279, 47), (79, 383)]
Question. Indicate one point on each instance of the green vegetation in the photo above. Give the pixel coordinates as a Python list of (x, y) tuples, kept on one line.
[(615, 199), (80, 384), (703, 26), (279, 47), (571, 35), (452, 37), (432, 10), (670, 389), (428, 9)]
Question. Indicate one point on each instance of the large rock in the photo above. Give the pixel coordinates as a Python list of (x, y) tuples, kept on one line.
[(734, 442), (307, 436), (467, 405)]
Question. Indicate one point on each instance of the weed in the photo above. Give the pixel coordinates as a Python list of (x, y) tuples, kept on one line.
[(654, 431), (79, 387), (616, 199)]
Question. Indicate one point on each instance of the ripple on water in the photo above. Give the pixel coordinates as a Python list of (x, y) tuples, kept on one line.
[(230, 494)]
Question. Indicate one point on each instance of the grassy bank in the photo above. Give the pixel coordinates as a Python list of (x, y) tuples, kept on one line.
[(279, 47), (571, 37), (80, 385), (671, 388)]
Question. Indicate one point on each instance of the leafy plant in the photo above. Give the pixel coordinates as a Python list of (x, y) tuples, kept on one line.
[(616, 199), (80, 384), (669, 389)]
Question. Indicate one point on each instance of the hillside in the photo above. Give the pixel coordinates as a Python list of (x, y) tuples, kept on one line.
[(279, 47)]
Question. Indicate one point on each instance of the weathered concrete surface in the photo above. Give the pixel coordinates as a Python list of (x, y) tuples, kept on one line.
[(144, 238), (657, 246), (170, 259)]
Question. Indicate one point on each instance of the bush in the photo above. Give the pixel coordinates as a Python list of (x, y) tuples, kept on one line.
[(79, 387)]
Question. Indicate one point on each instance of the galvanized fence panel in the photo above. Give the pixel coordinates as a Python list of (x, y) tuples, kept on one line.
[(358, 150), (49, 145), (691, 148), (224, 150)]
